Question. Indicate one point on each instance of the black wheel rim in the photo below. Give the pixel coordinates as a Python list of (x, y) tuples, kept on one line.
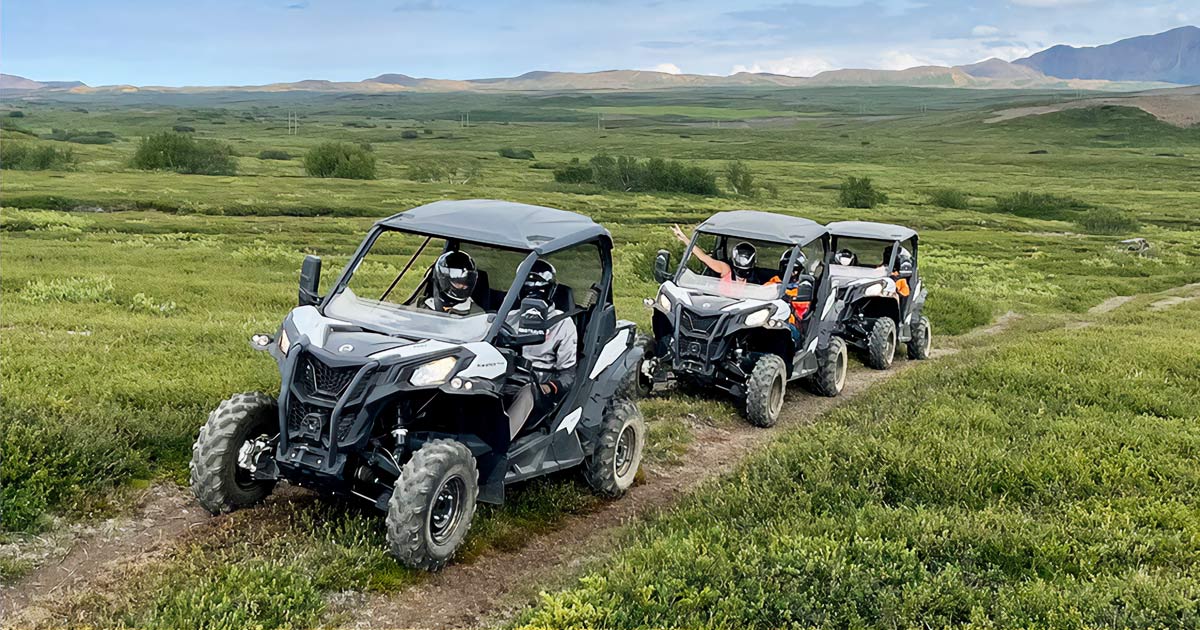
[(776, 395), (623, 459), (446, 512)]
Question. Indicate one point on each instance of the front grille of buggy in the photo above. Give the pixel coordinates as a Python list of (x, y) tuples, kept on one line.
[(698, 324), (316, 377)]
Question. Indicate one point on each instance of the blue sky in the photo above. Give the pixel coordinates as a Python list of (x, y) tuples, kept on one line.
[(228, 42)]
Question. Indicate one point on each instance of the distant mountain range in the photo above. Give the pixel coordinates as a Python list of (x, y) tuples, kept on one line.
[(1172, 57)]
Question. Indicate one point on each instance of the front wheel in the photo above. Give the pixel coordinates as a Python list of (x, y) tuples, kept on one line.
[(881, 343), (219, 483), (432, 505), (613, 465), (922, 340), (765, 391), (830, 376)]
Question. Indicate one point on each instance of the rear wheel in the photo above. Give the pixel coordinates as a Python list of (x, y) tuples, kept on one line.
[(922, 340), (830, 377), (613, 465), (432, 505), (765, 391), (881, 343), (218, 482)]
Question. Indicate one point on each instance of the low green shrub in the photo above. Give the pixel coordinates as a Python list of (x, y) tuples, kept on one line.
[(629, 174), (180, 152), (1106, 220), (516, 154), (859, 192), (24, 157), (15, 220), (81, 137), (740, 179), (1033, 205), (183, 129), (16, 113), (408, 134), (274, 154), (445, 170), (145, 304), (341, 160), (574, 172), (949, 198), (99, 289)]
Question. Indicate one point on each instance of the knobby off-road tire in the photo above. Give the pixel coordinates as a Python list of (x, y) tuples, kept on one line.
[(613, 465), (830, 377), (636, 384), (217, 481), (921, 341), (432, 505), (766, 390), (881, 343)]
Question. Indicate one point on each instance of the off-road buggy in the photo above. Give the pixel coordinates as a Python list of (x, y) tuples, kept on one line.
[(875, 272), (422, 413), (748, 338)]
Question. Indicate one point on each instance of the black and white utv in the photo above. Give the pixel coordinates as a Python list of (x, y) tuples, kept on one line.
[(875, 272), (420, 406), (749, 309)]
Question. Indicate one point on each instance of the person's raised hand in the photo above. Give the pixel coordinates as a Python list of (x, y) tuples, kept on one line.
[(679, 234)]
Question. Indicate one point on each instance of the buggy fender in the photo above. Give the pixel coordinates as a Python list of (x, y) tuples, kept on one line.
[(605, 386)]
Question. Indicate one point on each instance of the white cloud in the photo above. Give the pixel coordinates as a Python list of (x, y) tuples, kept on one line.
[(797, 66), (1050, 4), (899, 60), (984, 30), (668, 68)]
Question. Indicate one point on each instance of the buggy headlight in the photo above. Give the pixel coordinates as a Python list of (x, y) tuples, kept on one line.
[(664, 302), (433, 373), (874, 290), (285, 344), (759, 317)]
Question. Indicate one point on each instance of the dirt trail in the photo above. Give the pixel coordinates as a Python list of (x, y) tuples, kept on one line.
[(492, 588), (165, 514)]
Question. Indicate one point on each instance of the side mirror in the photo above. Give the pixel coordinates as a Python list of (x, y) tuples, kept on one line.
[(532, 318), (310, 280), (662, 266)]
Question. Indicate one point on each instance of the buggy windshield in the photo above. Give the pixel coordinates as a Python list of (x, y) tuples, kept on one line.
[(728, 288), (389, 289)]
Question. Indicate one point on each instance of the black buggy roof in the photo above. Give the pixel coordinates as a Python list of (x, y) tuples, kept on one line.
[(763, 226), (871, 230), (500, 223)]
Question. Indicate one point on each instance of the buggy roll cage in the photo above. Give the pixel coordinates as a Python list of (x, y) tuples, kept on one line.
[(796, 246), (583, 237)]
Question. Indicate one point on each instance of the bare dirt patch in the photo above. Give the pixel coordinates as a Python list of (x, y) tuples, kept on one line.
[(1109, 305)]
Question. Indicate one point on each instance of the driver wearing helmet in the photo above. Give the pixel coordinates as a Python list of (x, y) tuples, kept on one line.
[(553, 360), (794, 286), (846, 258), (739, 269), (454, 276)]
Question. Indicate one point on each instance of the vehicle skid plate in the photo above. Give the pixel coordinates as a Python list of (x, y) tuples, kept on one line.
[(308, 461)]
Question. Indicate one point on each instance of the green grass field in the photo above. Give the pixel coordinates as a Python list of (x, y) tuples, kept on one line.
[(1043, 480)]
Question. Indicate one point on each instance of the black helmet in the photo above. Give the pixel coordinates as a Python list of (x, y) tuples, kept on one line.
[(801, 264), (744, 257), (541, 282), (454, 276)]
